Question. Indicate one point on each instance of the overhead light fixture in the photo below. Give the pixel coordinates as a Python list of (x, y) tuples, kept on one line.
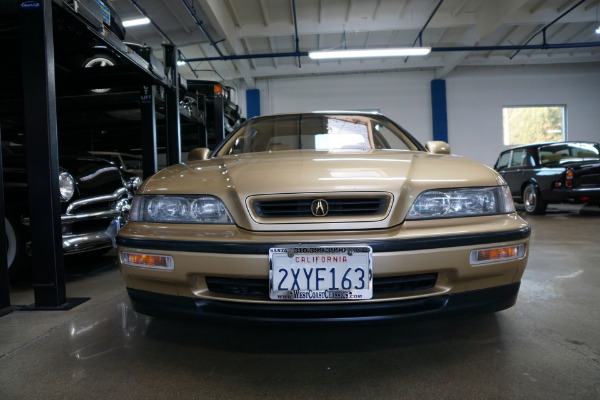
[(598, 30), (180, 63), (385, 52), (136, 22)]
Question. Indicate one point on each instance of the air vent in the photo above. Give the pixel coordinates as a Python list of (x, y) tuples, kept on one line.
[(260, 287), (334, 207)]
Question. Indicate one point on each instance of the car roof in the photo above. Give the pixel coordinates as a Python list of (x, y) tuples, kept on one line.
[(336, 112), (532, 145)]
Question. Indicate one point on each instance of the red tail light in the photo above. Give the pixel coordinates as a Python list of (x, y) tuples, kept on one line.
[(569, 180)]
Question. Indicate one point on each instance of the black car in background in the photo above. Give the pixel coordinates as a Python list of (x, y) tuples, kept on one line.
[(563, 172), (94, 205)]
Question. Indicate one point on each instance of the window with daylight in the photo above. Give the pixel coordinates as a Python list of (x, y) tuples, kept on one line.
[(534, 124)]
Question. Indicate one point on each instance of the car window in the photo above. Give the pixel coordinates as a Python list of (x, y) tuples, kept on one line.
[(317, 132), (503, 160), (131, 162), (568, 152), (518, 157)]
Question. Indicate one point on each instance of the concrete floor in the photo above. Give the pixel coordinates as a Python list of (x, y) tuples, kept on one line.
[(545, 347)]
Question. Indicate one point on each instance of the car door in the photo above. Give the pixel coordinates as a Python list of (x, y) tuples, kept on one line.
[(511, 168)]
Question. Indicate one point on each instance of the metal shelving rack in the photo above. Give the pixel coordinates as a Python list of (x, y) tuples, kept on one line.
[(29, 97)]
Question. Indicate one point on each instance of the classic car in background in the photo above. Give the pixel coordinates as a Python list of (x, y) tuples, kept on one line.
[(323, 217), (94, 204), (219, 119), (563, 172), (130, 164)]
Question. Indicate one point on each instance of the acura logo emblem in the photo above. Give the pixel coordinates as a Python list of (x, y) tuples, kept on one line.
[(319, 208)]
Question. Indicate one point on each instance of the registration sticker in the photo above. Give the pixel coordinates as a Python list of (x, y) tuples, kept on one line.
[(320, 273)]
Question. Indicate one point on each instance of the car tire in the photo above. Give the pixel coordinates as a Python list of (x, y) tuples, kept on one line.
[(99, 60), (16, 257), (532, 200)]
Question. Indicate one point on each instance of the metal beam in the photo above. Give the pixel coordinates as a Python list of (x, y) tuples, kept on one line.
[(41, 143), (148, 126), (4, 276)]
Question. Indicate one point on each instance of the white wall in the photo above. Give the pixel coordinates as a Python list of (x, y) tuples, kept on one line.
[(403, 97), (475, 97)]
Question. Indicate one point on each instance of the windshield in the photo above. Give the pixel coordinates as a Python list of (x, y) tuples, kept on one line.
[(318, 132), (569, 152), (131, 161)]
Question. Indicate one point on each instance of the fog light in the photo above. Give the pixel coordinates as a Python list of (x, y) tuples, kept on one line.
[(497, 254), (147, 260)]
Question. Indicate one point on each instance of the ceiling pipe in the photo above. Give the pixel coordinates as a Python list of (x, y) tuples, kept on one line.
[(420, 35), (200, 24), (182, 58), (543, 30), (251, 56), (546, 46), (433, 49), (145, 14)]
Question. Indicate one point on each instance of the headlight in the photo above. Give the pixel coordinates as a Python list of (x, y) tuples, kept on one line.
[(179, 209), (467, 202), (66, 185)]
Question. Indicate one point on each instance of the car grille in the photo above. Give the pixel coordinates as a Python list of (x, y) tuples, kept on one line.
[(260, 287), (337, 207)]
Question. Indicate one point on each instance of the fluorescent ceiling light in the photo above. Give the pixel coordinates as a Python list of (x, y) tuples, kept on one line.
[(386, 52), (135, 22), (598, 30), (180, 63)]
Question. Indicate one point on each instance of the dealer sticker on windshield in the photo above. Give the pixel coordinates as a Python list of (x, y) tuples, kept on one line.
[(320, 273)]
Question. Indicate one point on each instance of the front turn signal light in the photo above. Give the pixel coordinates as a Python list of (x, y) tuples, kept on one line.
[(484, 256), (147, 260)]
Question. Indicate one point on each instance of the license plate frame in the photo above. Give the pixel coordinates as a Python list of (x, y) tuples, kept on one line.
[(320, 273)]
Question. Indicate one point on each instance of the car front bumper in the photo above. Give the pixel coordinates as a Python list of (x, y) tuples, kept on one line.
[(476, 301), (227, 272)]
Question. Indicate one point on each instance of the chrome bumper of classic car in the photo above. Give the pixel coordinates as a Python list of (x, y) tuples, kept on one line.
[(103, 225), (94, 240), (475, 301)]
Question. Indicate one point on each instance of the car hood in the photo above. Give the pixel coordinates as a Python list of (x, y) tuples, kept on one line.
[(401, 175)]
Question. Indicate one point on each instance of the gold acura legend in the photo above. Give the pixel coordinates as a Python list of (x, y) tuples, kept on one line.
[(330, 217)]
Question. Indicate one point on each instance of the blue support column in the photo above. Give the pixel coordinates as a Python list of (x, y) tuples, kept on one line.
[(439, 110), (252, 103)]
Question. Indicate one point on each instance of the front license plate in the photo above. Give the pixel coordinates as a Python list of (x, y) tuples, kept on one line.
[(321, 273)]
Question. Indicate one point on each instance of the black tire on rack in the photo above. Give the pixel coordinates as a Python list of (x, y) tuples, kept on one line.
[(17, 259), (99, 60)]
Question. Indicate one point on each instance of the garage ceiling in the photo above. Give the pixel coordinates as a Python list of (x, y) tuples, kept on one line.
[(261, 31)]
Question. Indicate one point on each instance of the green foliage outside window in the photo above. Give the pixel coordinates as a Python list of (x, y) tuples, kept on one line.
[(524, 125)]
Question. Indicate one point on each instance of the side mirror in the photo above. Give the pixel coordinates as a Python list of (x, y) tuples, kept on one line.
[(199, 153), (437, 147)]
